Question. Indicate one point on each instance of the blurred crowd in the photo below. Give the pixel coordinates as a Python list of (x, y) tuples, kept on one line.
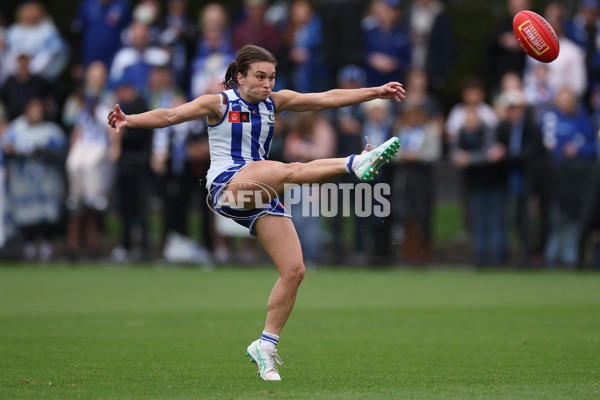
[(522, 139)]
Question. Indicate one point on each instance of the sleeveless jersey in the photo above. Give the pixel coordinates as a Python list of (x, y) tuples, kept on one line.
[(243, 135)]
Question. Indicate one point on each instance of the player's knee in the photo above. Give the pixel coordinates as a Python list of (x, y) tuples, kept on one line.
[(296, 273), (300, 272)]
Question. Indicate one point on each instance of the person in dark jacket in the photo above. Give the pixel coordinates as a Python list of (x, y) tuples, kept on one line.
[(133, 175), (525, 155), (476, 153), (504, 53)]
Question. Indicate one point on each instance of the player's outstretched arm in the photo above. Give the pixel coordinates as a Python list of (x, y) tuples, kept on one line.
[(203, 106), (294, 101)]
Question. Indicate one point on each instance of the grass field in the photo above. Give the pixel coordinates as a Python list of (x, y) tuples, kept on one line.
[(155, 333)]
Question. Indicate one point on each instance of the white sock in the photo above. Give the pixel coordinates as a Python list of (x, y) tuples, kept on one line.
[(350, 162), (268, 341)]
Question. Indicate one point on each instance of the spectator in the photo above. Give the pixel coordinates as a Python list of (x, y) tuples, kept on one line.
[(387, 43), (422, 16), (421, 127), (422, 98), (146, 12), (90, 166), (311, 137), (177, 35), (94, 86), (98, 26), (35, 34), (132, 178), (254, 30), (414, 185), (35, 151), (162, 90), (583, 29), (341, 43), (571, 140), (175, 150), (22, 87), (473, 95), (214, 51), (510, 82), (476, 154), (348, 125), (432, 41), (348, 120), (525, 155), (538, 92), (569, 67), (216, 16), (377, 128), (503, 52), (303, 38), (575, 137), (138, 58)]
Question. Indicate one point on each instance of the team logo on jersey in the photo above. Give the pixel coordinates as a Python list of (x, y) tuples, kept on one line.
[(239, 116), (271, 117)]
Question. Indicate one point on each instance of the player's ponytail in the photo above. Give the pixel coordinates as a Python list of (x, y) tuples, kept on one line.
[(230, 80), (248, 55)]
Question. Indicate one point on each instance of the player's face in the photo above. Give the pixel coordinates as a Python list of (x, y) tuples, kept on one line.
[(258, 83)]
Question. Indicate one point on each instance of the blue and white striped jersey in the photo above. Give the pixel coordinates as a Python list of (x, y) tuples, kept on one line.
[(243, 135)]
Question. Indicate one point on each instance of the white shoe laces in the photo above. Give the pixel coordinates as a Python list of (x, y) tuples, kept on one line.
[(272, 359), (368, 148), (359, 158)]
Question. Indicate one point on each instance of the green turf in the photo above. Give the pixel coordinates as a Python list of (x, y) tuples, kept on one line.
[(139, 333)]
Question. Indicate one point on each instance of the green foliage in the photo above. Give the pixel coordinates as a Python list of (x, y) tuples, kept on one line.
[(123, 333)]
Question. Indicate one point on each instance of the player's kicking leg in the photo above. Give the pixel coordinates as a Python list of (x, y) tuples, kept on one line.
[(276, 175)]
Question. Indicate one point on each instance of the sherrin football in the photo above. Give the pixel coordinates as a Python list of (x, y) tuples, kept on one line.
[(535, 36)]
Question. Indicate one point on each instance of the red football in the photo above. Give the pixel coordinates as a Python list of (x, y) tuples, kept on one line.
[(535, 36)]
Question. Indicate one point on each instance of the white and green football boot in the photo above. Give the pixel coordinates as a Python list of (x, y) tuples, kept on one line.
[(366, 165), (265, 360)]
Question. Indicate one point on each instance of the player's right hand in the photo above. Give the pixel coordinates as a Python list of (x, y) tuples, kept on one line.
[(392, 90), (117, 119)]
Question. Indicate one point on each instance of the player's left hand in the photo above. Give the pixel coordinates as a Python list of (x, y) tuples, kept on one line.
[(392, 90)]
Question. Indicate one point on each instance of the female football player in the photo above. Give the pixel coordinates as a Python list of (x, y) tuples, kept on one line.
[(241, 120)]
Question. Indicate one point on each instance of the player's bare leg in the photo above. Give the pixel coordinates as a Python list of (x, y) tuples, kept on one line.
[(275, 175), (280, 240), (278, 237)]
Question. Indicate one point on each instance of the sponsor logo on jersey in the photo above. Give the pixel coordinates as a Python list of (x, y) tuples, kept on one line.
[(239, 116)]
